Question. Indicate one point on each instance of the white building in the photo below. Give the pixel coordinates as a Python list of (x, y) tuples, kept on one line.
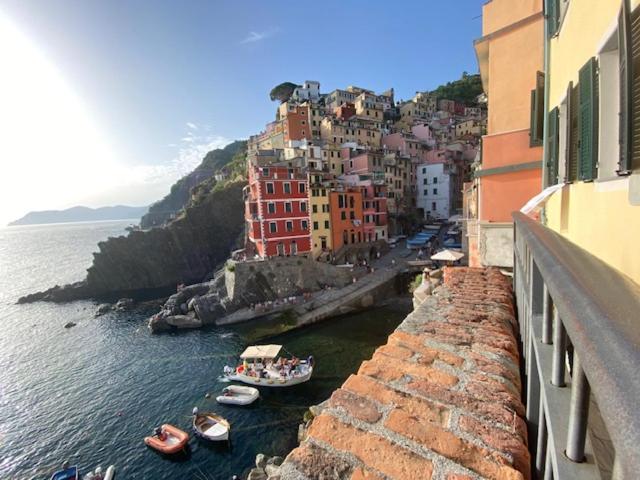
[(310, 90), (433, 185)]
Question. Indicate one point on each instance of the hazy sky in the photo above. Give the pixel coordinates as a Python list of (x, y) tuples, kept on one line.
[(109, 102)]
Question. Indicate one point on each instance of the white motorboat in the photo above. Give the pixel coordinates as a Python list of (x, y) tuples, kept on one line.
[(262, 366), (98, 475), (238, 395), (210, 426)]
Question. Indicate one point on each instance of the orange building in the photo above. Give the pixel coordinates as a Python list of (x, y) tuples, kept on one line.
[(346, 217), (511, 56), (296, 123)]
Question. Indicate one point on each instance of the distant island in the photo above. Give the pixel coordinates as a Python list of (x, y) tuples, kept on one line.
[(81, 214)]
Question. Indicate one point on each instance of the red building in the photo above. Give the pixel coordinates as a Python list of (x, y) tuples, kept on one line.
[(277, 212)]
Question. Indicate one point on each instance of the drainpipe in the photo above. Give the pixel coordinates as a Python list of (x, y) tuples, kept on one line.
[(545, 123)]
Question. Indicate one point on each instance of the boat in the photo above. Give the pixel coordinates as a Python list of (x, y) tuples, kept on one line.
[(238, 395), (210, 426), (98, 475), (262, 366), (67, 473), (174, 439)]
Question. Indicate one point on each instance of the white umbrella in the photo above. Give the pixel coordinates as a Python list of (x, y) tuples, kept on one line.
[(447, 256)]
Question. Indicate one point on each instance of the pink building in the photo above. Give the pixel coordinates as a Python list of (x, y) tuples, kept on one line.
[(406, 145)]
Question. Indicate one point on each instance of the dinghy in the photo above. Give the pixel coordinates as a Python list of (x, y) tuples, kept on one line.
[(210, 426), (98, 475), (262, 366), (67, 473), (167, 439), (238, 395)]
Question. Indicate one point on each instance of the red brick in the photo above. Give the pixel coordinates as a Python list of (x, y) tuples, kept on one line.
[(355, 405), (446, 443), (427, 354), (416, 406), (362, 474), (389, 369), (372, 450), (315, 462), (396, 351), (509, 442)]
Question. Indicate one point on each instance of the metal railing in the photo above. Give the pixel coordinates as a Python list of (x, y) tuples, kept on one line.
[(580, 331)]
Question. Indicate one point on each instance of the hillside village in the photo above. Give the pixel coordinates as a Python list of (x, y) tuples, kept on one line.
[(338, 171)]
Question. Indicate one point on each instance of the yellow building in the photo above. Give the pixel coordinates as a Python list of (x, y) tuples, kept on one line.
[(319, 216), (592, 128)]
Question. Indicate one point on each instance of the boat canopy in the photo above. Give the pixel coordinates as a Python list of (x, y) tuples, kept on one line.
[(261, 351)]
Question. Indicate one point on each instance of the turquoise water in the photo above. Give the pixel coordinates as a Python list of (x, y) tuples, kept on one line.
[(90, 394)]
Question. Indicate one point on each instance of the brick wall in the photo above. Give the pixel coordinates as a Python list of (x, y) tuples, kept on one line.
[(441, 400)]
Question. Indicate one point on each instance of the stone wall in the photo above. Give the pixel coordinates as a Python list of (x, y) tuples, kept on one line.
[(440, 400), (496, 244)]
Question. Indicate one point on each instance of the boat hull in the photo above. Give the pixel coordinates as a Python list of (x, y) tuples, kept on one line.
[(70, 473), (177, 440), (271, 382), (239, 395), (217, 428)]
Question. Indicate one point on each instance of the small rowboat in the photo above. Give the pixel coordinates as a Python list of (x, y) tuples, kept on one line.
[(67, 473), (97, 474), (238, 395), (174, 441), (210, 426)]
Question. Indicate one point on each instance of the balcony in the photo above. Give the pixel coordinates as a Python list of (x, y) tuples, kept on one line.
[(581, 347)]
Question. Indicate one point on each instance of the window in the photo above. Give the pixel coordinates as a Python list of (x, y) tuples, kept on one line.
[(271, 207), (536, 123), (304, 225), (270, 188), (352, 202), (435, 191), (326, 224), (303, 122), (588, 121), (426, 192), (325, 208), (287, 187), (341, 202), (433, 206), (303, 206), (315, 225), (425, 181), (301, 187), (273, 227), (435, 179), (352, 215), (343, 215), (287, 207), (314, 208), (265, 172), (289, 225)]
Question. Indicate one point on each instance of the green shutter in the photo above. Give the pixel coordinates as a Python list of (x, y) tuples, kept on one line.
[(574, 134), (624, 130), (532, 124), (537, 112), (553, 147), (552, 11), (588, 121), (634, 69)]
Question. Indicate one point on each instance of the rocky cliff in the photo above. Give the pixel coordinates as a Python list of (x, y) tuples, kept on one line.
[(185, 251), (214, 162)]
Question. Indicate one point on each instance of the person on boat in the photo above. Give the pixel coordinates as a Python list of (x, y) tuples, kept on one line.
[(161, 434)]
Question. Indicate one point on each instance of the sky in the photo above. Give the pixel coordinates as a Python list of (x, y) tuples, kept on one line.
[(110, 102)]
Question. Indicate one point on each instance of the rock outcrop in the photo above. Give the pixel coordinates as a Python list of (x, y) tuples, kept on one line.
[(242, 284), (186, 251)]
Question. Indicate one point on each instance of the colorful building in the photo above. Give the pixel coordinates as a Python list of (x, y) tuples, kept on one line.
[(510, 56), (345, 207), (320, 185), (276, 212), (593, 129)]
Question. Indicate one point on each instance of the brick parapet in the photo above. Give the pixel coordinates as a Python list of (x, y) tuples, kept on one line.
[(440, 400)]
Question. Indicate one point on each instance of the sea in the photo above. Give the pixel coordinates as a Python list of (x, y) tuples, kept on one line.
[(91, 393)]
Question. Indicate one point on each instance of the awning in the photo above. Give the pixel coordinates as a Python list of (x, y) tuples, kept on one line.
[(261, 351), (448, 256), (540, 199)]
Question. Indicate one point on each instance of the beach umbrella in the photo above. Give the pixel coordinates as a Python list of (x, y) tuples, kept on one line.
[(447, 255)]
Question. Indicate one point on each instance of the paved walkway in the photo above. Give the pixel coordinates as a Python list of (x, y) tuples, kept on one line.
[(440, 400)]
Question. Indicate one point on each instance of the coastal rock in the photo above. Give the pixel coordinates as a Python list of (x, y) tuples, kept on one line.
[(69, 325), (183, 321), (275, 460), (152, 262), (124, 304), (261, 460), (271, 470), (257, 474), (103, 308)]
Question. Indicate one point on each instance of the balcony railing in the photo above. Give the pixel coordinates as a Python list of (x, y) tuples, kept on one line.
[(580, 331)]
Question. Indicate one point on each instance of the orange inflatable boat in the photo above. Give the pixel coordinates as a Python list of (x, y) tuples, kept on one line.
[(167, 439)]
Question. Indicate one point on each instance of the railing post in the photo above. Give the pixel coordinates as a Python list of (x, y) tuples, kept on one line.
[(541, 448), (578, 412), (548, 467), (547, 316), (559, 350)]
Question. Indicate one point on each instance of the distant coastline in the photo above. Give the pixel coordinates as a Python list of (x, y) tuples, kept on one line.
[(81, 214)]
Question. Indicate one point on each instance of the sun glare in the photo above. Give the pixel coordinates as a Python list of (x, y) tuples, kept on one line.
[(51, 151)]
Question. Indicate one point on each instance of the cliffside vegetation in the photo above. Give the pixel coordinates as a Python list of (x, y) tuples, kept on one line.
[(180, 194), (282, 92), (464, 90)]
